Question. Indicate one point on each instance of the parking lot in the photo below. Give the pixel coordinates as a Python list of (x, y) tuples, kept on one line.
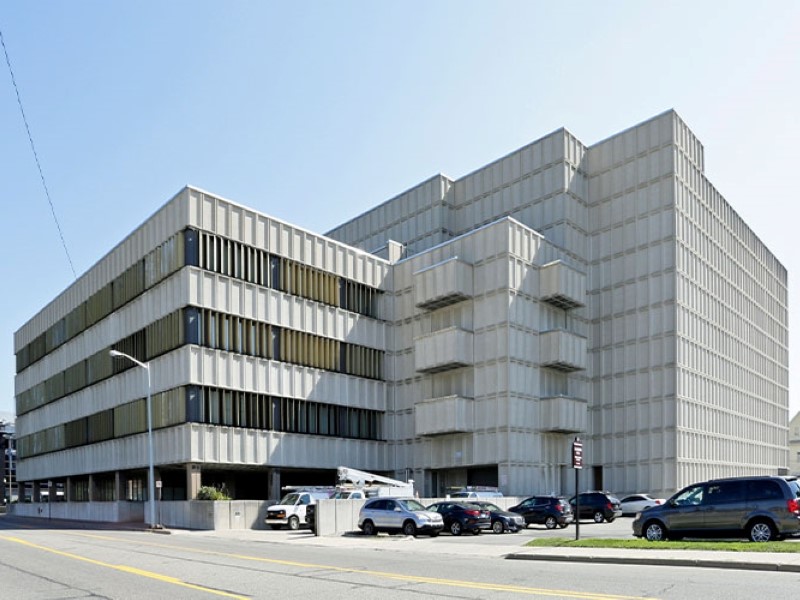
[(620, 528)]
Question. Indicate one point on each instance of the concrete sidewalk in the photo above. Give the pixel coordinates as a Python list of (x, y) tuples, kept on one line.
[(746, 561)]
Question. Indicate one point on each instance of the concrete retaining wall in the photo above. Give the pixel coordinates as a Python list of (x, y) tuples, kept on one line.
[(335, 517), (110, 512)]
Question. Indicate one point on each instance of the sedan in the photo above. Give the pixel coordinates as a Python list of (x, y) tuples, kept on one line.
[(502, 520), (462, 516), (636, 503)]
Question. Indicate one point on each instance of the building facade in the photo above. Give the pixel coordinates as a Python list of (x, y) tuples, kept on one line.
[(794, 445), (465, 332)]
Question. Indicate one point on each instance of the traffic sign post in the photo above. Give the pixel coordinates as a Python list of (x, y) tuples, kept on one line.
[(577, 464)]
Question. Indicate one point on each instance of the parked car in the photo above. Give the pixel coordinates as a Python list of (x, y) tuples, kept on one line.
[(761, 508), (462, 516), (636, 503), (550, 511), (394, 515), (477, 492), (291, 510), (598, 506), (502, 520)]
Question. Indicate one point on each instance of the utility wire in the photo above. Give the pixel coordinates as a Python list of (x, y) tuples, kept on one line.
[(36, 156)]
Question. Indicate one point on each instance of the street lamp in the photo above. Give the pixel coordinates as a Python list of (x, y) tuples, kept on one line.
[(151, 474), (8, 464)]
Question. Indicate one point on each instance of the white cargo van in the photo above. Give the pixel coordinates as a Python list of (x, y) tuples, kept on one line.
[(291, 510)]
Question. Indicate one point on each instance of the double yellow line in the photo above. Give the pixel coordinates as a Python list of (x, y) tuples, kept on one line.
[(499, 587)]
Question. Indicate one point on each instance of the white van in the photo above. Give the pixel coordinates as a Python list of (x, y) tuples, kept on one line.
[(291, 510)]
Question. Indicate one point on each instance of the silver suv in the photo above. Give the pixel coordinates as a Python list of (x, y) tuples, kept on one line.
[(404, 515), (760, 508)]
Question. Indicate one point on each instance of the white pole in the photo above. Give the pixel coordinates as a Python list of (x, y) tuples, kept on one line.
[(151, 478)]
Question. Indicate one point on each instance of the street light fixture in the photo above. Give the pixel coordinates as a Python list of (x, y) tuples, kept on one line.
[(151, 474)]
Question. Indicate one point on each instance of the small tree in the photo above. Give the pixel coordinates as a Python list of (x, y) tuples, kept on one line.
[(209, 492)]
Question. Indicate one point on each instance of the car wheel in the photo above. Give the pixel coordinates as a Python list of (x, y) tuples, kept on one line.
[(611, 519), (368, 527), (434, 534), (476, 531), (550, 522), (598, 517), (497, 527), (409, 528), (761, 531), (455, 528), (563, 525), (294, 523), (655, 531)]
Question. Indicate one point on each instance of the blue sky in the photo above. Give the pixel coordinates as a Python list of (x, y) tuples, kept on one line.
[(316, 111)]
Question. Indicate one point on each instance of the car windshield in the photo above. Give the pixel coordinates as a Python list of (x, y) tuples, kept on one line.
[(412, 505), (489, 506), (290, 499)]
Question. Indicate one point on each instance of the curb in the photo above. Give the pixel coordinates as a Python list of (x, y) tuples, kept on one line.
[(660, 562)]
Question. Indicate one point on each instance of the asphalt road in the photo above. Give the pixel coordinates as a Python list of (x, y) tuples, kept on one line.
[(41, 561)]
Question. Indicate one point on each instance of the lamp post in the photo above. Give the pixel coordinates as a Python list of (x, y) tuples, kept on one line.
[(151, 474), (8, 466)]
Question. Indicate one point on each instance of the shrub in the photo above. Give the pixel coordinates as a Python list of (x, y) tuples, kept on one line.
[(208, 492)]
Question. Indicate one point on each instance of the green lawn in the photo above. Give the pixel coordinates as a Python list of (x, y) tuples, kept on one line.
[(639, 544)]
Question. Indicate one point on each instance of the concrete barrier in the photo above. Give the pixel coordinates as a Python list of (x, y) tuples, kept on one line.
[(335, 517)]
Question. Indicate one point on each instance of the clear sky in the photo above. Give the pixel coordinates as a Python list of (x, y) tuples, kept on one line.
[(314, 112)]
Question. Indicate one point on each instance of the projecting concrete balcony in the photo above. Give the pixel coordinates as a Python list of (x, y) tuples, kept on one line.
[(562, 350), (440, 416), (442, 284), (562, 286), (443, 350), (563, 414)]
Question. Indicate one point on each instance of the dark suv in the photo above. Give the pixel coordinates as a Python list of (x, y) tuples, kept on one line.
[(462, 516), (550, 511), (760, 508), (598, 506)]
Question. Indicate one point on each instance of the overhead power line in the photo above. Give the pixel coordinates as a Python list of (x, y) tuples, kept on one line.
[(36, 156)]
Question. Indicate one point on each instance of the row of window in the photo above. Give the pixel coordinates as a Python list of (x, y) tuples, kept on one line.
[(158, 264), (238, 260), (231, 333), (210, 329), (214, 406), (212, 253), (157, 338)]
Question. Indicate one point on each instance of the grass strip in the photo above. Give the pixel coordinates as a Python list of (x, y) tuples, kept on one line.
[(639, 544)]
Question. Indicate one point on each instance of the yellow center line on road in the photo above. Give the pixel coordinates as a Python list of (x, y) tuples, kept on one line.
[(517, 589), (126, 569)]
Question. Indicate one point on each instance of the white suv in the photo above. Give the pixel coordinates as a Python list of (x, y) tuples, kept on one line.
[(404, 515)]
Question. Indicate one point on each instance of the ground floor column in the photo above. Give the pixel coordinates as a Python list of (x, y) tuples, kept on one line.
[(119, 486), (274, 483), (193, 481)]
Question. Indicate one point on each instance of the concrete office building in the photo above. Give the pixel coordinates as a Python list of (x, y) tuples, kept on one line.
[(463, 333)]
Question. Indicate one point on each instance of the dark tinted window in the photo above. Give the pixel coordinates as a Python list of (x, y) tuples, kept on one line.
[(724, 492), (763, 489), (794, 486)]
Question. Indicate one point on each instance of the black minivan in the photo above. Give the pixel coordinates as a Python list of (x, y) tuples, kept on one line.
[(762, 508)]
